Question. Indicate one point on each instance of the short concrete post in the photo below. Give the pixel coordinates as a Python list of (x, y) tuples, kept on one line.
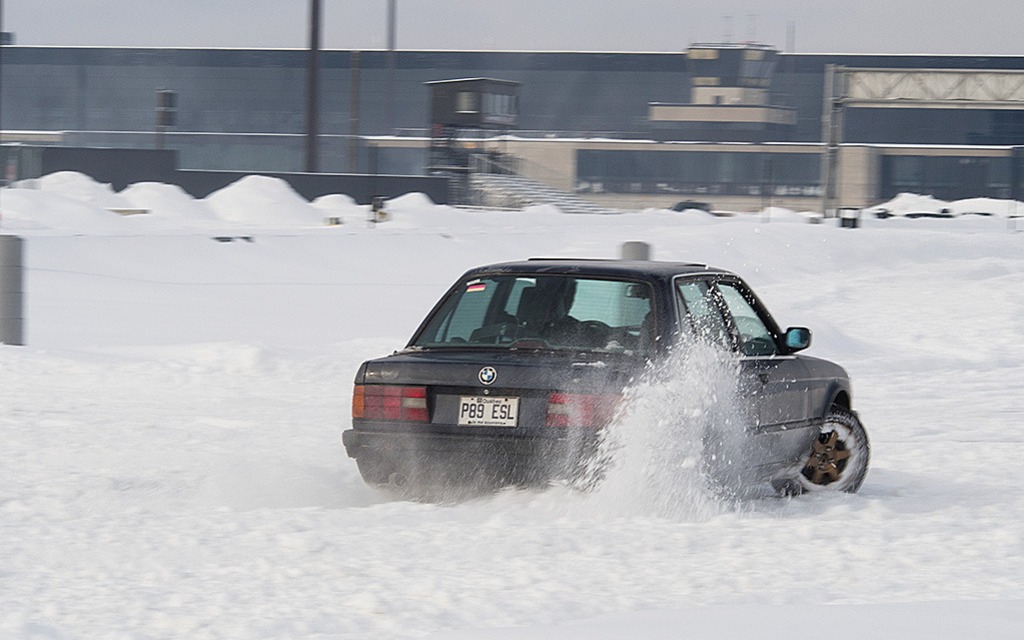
[(634, 250), (11, 291)]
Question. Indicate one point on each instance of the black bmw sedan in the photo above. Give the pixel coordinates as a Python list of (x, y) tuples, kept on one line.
[(518, 369)]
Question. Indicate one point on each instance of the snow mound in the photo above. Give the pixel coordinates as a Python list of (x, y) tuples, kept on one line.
[(341, 206), (263, 201), (166, 200), (543, 209), (80, 187), (33, 210), (665, 218), (909, 203), (987, 207), (912, 205), (339, 202), (410, 202), (781, 214)]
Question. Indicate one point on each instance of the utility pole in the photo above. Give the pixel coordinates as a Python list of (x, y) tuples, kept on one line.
[(831, 136), (392, 21), (1, 46), (353, 113), (768, 185), (313, 87)]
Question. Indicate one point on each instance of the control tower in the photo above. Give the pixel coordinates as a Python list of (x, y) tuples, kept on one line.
[(730, 97), (462, 111)]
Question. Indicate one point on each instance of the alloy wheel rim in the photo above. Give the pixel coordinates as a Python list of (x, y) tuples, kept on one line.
[(828, 459)]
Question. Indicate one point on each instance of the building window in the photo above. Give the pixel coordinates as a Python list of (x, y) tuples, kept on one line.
[(702, 54), (698, 172), (466, 102)]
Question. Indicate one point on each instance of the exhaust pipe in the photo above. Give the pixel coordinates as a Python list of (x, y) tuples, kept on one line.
[(397, 480)]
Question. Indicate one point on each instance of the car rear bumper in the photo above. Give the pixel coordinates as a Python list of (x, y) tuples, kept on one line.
[(466, 457)]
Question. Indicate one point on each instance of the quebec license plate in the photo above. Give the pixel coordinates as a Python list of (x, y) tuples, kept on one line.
[(486, 411)]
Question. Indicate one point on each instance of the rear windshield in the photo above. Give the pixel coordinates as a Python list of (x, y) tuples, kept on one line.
[(544, 312)]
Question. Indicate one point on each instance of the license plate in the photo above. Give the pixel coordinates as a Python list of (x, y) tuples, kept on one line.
[(485, 411)]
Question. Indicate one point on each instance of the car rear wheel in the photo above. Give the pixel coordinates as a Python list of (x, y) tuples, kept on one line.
[(837, 459)]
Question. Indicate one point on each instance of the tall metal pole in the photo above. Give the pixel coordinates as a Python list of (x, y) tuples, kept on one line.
[(831, 133), (10, 171), (1016, 186), (392, 22), (769, 186), (313, 87), (353, 114), (1, 50), (392, 9)]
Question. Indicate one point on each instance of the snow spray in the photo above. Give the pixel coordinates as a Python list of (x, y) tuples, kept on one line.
[(674, 450)]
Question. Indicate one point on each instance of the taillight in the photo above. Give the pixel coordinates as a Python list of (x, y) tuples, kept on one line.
[(580, 409), (359, 401), (390, 402)]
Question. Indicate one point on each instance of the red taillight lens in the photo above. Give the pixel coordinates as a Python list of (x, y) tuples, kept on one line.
[(390, 402), (580, 409)]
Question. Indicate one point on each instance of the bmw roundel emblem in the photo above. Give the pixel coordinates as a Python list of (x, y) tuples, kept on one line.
[(487, 375)]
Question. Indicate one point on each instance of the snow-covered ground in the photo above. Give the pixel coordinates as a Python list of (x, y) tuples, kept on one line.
[(171, 462)]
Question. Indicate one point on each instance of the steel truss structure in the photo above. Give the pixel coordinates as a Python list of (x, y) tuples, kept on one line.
[(930, 88)]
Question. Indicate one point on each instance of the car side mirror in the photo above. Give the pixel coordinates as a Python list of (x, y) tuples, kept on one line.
[(797, 338)]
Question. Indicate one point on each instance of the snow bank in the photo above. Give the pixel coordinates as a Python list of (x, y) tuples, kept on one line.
[(82, 188), (27, 210), (341, 207), (987, 207), (410, 202), (909, 204), (167, 201), (262, 201)]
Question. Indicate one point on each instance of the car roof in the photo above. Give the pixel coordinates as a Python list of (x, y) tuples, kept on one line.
[(644, 269)]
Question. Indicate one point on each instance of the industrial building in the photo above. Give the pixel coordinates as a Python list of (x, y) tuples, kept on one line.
[(733, 124)]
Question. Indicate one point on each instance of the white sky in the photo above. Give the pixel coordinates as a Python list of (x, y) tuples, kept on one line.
[(864, 26)]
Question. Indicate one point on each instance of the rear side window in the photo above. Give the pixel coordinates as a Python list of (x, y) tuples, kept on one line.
[(721, 314), (754, 337), (703, 312)]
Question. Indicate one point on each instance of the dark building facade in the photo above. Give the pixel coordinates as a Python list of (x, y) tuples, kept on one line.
[(244, 109)]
